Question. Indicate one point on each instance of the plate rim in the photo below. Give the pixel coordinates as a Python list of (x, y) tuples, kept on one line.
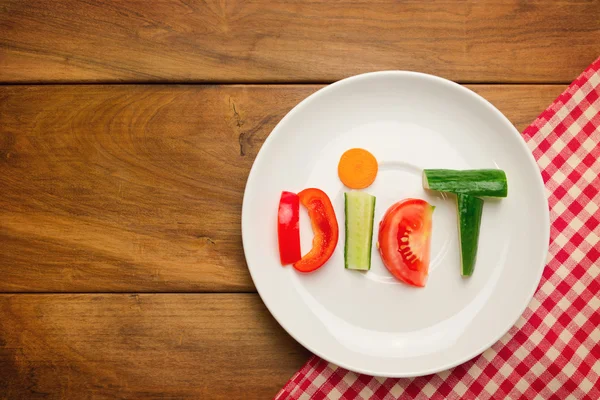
[(540, 187)]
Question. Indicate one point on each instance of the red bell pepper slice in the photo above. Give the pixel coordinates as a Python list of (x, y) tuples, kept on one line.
[(288, 228), (325, 229)]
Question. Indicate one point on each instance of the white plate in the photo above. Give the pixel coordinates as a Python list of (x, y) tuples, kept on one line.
[(369, 322)]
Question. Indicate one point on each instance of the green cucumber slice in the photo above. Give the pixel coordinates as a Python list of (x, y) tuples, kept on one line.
[(469, 210), (474, 182), (360, 211)]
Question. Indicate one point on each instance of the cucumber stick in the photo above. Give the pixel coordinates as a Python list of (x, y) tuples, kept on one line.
[(474, 182), (469, 210), (360, 211)]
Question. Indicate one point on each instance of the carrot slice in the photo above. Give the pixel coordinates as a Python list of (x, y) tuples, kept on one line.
[(357, 168)]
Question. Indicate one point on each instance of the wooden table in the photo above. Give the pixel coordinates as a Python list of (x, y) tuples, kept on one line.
[(127, 130)]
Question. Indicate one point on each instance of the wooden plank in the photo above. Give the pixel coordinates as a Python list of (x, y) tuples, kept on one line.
[(313, 41), (127, 188), (209, 346), (139, 188)]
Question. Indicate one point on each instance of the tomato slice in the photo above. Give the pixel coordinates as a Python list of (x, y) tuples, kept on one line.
[(405, 239), (325, 229)]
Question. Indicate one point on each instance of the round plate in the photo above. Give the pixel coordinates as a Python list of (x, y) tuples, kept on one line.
[(370, 322)]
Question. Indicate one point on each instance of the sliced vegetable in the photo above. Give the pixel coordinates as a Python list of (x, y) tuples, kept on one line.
[(288, 229), (325, 229), (357, 168), (405, 239), (474, 182), (469, 211), (360, 211)]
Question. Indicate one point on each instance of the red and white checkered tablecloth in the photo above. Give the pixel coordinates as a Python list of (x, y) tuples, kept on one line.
[(553, 351)]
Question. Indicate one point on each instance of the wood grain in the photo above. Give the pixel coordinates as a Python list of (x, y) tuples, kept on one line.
[(139, 188), (283, 41), (210, 346)]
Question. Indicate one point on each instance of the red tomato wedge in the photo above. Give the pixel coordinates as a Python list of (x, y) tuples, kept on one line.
[(325, 229), (405, 239), (288, 228)]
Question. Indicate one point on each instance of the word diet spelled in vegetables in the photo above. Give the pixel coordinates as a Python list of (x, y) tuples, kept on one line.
[(404, 237)]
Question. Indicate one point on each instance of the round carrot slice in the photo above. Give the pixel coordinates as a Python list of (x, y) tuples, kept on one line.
[(357, 168)]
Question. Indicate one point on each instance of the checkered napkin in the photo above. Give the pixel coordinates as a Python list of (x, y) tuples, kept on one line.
[(553, 351)]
